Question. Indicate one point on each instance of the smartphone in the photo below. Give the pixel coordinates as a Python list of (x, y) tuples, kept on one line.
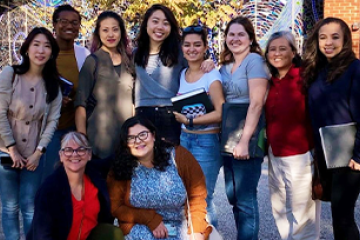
[(172, 230), (5, 159)]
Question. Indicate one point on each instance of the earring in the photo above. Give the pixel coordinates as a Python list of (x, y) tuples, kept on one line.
[(26, 54), (251, 44)]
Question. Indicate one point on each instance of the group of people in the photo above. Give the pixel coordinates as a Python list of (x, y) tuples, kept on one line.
[(122, 151)]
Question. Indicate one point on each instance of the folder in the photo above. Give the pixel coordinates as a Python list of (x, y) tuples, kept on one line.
[(197, 96), (337, 142)]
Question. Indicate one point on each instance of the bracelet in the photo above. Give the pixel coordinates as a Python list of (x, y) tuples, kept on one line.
[(191, 122)]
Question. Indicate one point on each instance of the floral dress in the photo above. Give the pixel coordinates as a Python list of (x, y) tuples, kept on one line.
[(162, 191)]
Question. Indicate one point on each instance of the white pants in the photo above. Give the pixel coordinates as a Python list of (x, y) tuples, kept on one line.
[(296, 215)]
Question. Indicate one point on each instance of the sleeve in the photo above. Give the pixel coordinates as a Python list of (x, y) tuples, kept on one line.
[(6, 91), (213, 76), (355, 108), (42, 223), (256, 68), (51, 121), (86, 82), (126, 214), (194, 181)]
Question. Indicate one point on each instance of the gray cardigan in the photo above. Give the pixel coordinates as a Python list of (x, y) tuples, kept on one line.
[(49, 121)]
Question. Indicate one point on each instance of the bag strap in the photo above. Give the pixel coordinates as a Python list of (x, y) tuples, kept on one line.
[(187, 199)]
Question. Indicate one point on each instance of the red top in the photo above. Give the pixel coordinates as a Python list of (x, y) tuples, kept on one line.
[(288, 125), (85, 212)]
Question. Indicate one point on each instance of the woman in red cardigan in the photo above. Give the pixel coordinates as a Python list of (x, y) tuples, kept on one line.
[(296, 215), (148, 184)]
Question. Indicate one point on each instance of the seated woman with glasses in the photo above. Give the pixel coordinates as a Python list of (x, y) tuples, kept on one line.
[(74, 199), (149, 183), (200, 129)]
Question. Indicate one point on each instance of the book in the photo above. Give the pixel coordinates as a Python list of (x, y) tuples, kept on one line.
[(337, 142), (66, 86), (195, 97), (232, 126)]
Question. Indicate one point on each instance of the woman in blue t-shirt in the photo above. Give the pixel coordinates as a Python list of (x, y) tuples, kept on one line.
[(200, 129)]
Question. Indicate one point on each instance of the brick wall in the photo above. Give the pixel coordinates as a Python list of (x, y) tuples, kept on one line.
[(349, 11)]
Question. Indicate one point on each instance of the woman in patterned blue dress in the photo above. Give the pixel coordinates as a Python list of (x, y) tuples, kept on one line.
[(148, 184)]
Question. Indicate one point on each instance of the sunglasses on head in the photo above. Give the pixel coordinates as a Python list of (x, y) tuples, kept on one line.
[(193, 29)]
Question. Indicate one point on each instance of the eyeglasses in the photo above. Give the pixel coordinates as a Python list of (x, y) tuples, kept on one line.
[(65, 22), (81, 151), (193, 29), (141, 136)]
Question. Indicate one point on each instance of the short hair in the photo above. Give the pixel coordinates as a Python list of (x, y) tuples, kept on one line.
[(77, 137), (64, 8), (292, 43)]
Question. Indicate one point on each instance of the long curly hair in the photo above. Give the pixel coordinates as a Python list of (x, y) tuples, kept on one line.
[(226, 55), (314, 60), (124, 162), (169, 50)]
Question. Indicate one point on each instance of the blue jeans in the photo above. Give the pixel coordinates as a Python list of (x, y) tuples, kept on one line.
[(206, 150), (241, 181), (52, 152), (17, 190)]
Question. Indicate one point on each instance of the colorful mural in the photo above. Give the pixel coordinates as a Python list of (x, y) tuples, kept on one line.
[(268, 16)]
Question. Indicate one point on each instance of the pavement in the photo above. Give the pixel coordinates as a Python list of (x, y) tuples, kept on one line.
[(268, 230)]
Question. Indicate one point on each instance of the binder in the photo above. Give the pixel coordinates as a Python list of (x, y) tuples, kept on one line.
[(337, 142), (232, 126), (197, 96)]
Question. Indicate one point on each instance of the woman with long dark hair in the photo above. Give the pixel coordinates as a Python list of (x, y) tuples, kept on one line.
[(290, 140), (332, 77), (158, 63), (148, 184), (245, 81), (30, 102), (104, 97)]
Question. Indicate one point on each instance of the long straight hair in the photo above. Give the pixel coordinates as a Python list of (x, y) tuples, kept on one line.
[(123, 46), (50, 73), (170, 48)]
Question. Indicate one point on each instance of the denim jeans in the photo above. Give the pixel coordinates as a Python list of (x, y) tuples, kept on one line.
[(206, 150), (52, 152), (17, 192), (241, 181), (164, 120)]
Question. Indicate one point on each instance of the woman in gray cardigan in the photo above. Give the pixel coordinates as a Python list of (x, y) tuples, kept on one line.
[(30, 102)]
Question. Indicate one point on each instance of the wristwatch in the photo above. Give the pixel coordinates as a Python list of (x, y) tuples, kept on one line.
[(41, 149)]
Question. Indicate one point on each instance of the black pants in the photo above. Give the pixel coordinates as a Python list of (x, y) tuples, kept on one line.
[(345, 191), (164, 120)]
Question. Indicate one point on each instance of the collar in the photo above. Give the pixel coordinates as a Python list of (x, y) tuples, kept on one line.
[(291, 74)]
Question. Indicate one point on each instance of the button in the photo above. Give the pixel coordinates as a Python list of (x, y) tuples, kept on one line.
[(24, 140), (31, 106), (32, 89), (27, 123)]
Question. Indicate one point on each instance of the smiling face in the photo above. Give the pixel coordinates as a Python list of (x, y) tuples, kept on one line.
[(74, 162), (193, 48), (331, 40), (158, 27), (69, 31), (109, 33), (143, 147), (39, 51), (280, 54), (237, 39)]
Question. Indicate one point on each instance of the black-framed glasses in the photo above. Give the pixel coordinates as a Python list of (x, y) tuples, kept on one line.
[(65, 22), (193, 29), (142, 136), (81, 151)]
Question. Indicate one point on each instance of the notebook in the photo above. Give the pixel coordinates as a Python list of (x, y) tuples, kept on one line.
[(66, 86), (232, 126), (338, 144), (196, 97)]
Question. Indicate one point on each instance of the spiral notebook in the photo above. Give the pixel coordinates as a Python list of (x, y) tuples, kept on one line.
[(338, 144)]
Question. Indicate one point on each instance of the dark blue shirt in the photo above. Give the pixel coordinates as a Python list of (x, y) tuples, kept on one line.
[(336, 103)]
